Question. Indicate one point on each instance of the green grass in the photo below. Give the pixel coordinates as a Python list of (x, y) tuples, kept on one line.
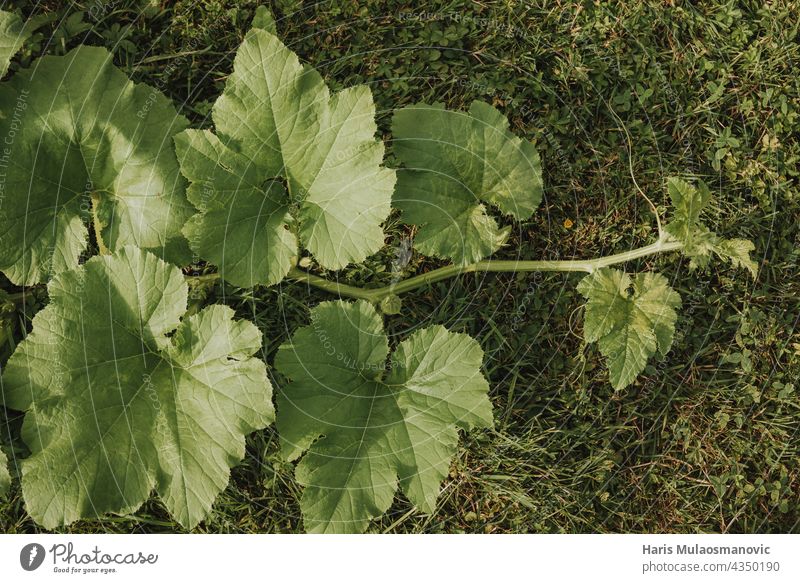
[(707, 440)]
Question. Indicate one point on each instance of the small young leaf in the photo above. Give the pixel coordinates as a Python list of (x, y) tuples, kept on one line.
[(455, 161), (123, 396), (277, 119), (81, 140), (699, 241), (5, 477), (391, 305), (630, 320), (365, 429), (737, 251), (688, 202)]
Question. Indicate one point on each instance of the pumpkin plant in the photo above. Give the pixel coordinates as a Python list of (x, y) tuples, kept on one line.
[(128, 391)]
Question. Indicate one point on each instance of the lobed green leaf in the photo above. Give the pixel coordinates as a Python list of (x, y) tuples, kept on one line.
[(366, 430), (630, 319), (277, 120), (454, 163), (83, 143), (123, 396)]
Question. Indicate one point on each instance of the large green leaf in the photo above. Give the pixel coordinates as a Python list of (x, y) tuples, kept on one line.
[(123, 396), (82, 140), (630, 319), (699, 241), (13, 33), (365, 428), (5, 477), (277, 119), (455, 162)]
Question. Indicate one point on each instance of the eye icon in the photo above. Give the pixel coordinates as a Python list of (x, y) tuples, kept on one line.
[(31, 556)]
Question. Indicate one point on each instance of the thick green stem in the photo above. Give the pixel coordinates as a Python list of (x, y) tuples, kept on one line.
[(425, 279), (335, 287)]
